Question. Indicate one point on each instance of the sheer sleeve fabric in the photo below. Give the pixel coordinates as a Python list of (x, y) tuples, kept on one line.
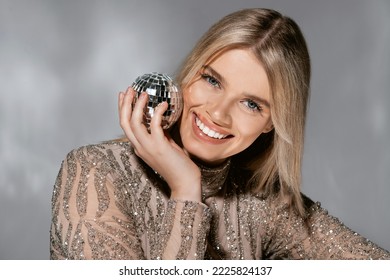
[(321, 236), (107, 204), (105, 207), (88, 222)]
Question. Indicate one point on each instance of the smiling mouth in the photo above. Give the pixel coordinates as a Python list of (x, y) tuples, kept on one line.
[(209, 132)]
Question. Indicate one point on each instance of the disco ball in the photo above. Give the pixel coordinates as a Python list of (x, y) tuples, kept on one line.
[(159, 87)]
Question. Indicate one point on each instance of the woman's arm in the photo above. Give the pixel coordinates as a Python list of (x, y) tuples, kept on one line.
[(105, 206), (90, 218), (321, 236)]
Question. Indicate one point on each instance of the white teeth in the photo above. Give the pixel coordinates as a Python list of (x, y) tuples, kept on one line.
[(217, 135), (211, 133), (206, 130)]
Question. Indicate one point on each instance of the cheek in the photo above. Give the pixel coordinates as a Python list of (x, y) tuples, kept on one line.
[(250, 130), (187, 97), (194, 96), (189, 101)]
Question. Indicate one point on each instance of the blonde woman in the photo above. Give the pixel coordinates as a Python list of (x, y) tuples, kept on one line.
[(224, 182)]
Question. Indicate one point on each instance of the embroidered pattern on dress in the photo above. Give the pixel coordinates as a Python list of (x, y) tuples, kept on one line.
[(229, 223)]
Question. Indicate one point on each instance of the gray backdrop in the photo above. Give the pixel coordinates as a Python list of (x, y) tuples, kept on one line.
[(62, 64)]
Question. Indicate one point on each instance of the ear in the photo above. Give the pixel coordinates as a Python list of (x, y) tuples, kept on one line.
[(268, 127)]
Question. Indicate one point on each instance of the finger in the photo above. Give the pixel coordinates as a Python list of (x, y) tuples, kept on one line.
[(125, 106), (137, 118), (121, 96), (130, 93), (155, 124), (125, 113)]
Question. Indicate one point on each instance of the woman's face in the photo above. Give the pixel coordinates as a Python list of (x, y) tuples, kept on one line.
[(226, 108)]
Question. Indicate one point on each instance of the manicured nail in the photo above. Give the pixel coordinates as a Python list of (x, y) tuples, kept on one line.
[(160, 104)]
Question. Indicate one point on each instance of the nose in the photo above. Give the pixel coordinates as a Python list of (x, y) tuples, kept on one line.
[(219, 110)]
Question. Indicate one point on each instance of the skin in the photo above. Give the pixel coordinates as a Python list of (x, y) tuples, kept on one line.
[(226, 108)]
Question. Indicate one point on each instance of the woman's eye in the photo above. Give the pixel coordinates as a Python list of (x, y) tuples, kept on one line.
[(211, 80), (252, 105)]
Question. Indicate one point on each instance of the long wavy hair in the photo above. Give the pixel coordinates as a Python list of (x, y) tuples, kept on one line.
[(275, 158)]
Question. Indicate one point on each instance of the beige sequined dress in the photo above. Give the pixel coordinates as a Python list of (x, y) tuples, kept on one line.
[(107, 204)]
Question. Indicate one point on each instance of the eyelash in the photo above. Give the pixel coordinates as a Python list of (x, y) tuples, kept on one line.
[(257, 107), (210, 79)]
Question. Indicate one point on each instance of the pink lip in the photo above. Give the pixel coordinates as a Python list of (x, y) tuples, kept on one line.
[(205, 138)]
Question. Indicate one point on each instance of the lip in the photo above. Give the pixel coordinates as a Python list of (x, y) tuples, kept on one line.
[(205, 138)]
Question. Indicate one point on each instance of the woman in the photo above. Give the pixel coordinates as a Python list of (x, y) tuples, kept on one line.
[(224, 183)]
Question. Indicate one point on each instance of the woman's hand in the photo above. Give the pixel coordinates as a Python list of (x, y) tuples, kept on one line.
[(157, 149)]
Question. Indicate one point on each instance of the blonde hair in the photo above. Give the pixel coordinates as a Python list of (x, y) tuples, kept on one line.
[(275, 158)]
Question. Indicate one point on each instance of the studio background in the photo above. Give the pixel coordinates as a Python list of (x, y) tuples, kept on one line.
[(62, 64)]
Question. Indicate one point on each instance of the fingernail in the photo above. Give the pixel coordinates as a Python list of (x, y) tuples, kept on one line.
[(160, 104)]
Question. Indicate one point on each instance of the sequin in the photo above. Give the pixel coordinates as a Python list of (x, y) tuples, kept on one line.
[(107, 204)]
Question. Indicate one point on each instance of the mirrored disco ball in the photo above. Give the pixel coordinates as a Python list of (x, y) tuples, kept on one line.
[(159, 87)]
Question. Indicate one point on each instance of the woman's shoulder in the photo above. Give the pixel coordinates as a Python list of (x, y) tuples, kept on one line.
[(110, 153)]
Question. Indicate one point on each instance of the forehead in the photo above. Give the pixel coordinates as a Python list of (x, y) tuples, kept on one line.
[(242, 72)]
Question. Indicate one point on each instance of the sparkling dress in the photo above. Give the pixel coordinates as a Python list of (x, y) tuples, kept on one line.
[(107, 204)]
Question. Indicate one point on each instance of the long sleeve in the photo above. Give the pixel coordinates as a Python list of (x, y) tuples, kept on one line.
[(107, 205), (88, 222), (321, 236), (184, 236)]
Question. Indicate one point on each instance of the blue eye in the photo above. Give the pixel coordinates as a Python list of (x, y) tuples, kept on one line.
[(252, 105), (211, 80)]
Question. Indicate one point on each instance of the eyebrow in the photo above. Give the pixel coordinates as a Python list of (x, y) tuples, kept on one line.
[(214, 73), (222, 80)]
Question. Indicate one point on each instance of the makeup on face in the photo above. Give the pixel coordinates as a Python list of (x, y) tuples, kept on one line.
[(226, 107)]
